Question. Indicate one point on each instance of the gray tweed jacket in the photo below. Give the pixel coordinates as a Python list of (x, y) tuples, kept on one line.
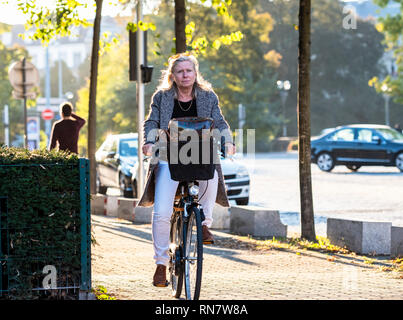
[(162, 104)]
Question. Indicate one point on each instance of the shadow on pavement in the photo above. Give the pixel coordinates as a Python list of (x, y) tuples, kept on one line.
[(135, 233), (231, 248)]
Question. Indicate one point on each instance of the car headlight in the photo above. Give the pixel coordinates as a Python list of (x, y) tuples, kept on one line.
[(194, 190), (242, 173)]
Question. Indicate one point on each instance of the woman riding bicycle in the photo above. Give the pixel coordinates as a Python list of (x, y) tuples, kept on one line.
[(182, 93)]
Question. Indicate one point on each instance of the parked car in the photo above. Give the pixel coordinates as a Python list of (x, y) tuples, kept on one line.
[(326, 131), (358, 145), (236, 178), (237, 181), (114, 159)]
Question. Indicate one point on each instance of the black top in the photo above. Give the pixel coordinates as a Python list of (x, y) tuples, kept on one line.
[(185, 109)]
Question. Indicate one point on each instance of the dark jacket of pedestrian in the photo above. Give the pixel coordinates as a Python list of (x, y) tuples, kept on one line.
[(65, 132)]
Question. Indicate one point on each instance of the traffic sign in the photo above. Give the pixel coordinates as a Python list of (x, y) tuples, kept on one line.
[(19, 80), (47, 114), (24, 76), (53, 104), (20, 95)]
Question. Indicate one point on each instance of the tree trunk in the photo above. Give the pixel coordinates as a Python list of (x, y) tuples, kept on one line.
[(92, 111), (304, 126), (180, 25)]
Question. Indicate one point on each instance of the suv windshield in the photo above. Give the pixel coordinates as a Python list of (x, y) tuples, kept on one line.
[(128, 147), (390, 134)]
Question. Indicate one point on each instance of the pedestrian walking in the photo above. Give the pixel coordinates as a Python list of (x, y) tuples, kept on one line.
[(182, 92), (65, 132)]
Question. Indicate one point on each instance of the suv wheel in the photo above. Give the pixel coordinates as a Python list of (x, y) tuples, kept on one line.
[(123, 186), (325, 162), (399, 161), (100, 188)]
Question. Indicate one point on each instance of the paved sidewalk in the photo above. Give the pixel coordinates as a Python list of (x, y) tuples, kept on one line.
[(122, 261)]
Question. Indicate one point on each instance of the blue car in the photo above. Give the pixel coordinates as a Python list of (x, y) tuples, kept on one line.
[(114, 160), (358, 145)]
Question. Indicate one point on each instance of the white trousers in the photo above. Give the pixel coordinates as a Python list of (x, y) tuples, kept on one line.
[(165, 189)]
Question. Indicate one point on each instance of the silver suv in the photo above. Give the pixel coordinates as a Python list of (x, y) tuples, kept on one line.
[(237, 181)]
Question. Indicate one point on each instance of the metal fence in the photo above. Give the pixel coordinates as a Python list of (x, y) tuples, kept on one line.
[(45, 230)]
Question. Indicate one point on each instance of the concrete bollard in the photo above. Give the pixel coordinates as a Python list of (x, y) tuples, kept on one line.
[(98, 204), (363, 237), (256, 221), (126, 208), (143, 214), (221, 218), (111, 206), (396, 241)]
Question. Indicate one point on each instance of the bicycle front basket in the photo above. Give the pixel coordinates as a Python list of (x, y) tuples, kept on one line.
[(191, 149)]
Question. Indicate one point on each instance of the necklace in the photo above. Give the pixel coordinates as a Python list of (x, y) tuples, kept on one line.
[(180, 106)]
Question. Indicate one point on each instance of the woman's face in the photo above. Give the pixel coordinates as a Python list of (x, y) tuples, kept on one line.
[(184, 74)]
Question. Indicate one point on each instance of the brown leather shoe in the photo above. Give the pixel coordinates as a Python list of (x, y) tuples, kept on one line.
[(208, 237), (160, 276)]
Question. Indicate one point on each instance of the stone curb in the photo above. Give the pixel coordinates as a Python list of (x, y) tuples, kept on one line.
[(364, 237)]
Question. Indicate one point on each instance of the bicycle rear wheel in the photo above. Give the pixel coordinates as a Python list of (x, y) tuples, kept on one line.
[(193, 254), (176, 254)]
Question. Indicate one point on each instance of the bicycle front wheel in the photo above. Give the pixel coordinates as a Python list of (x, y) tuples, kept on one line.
[(176, 253), (193, 255)]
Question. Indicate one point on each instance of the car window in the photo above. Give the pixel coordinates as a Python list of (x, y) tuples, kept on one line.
[(390, 134), (128, 148), (343, 135), (114, 146), (364, 135), (106, 146)]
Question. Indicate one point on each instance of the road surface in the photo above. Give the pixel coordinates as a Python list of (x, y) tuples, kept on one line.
[(372, 193)]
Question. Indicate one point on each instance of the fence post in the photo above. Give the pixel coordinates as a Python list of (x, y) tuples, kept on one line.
[(85, 215)]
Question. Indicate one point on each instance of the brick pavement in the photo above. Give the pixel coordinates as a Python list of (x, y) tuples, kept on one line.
[(122, 262)]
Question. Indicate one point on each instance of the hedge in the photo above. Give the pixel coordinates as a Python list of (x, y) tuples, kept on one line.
[(41, 202)]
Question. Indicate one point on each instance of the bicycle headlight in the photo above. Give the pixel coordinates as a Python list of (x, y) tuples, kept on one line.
[(194, 190)]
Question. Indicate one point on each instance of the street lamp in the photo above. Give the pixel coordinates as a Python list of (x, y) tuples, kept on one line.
[(69, 95), (284, 87), (386, 95)]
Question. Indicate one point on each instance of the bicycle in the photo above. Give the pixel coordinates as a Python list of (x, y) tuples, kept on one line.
[(186, 240)]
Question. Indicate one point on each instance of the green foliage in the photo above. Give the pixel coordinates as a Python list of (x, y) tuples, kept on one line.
[(40, 219), (392, 28), (47, 23), (101, 293), (342, 63), (116, 97), (241, 73)]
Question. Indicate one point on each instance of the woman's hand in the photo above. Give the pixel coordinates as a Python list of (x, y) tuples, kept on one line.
[(147, 149), (230, 149)]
